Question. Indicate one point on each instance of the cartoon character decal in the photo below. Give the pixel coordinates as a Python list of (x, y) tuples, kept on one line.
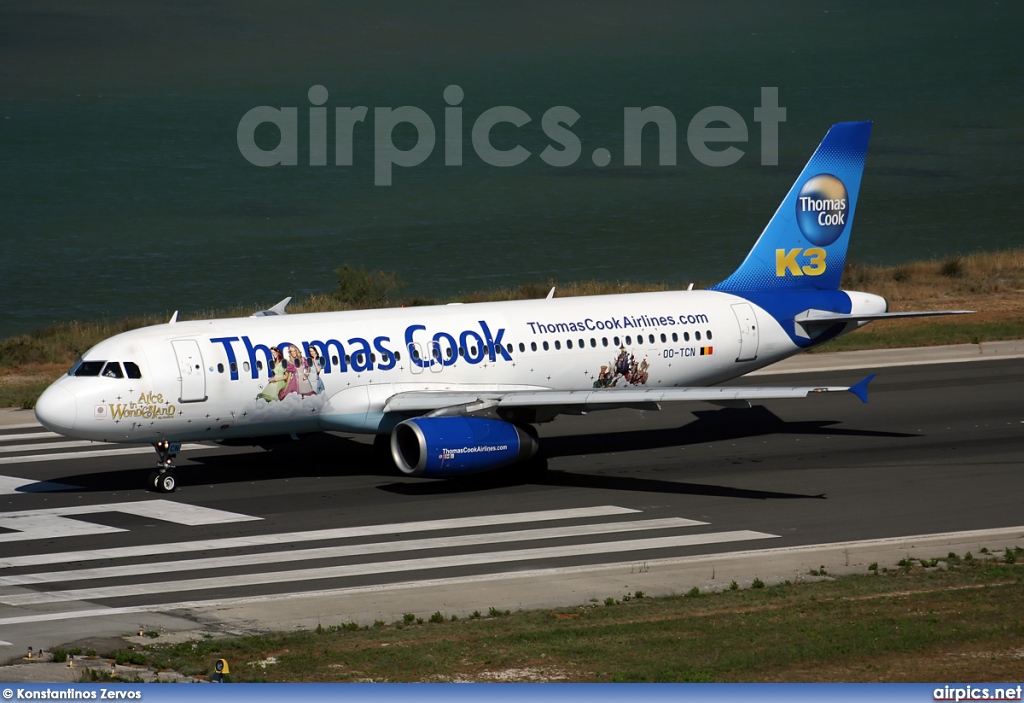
[(624, 367)]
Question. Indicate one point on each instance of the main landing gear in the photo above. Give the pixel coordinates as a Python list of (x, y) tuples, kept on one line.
[(163, 480)]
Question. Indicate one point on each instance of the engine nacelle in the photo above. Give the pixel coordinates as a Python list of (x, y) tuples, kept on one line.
[(443, 447)]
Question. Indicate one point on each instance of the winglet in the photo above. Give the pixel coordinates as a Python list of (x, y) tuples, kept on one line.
[(860, 389)]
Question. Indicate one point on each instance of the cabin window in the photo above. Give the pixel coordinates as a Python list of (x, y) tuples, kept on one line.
[(245, 366), (259, 365), (593, 342), (373, 358), (604, 341), (686, 336), (415, 353), (132, 369), (629, 341), (472, 350), (617, 342), (709, 335), (449, 352), (398, 356), (220, 368), (558, 345), (545, 346), (663, 338), (112, 370), (568, 344), (86, 368), (508, 347), (675, 337), (582, 344), (696, 335), (334, 359), (522, 347), (234, 367), (533, 346), (650, 338)]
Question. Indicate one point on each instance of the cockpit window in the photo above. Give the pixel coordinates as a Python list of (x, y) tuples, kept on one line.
[(86, 368), (113, 370), (132, 369)]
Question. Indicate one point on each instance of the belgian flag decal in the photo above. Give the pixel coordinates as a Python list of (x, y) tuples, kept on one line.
[(707, 351)]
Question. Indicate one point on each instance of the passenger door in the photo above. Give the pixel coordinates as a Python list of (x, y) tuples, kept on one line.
[(190, 370)]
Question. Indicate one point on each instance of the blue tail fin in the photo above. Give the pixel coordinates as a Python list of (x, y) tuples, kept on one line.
[(804, 244)]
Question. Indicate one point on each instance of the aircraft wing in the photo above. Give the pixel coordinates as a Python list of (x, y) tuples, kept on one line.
[(469, 402)]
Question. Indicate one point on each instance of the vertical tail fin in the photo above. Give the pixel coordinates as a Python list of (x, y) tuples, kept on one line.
[(804, 244)]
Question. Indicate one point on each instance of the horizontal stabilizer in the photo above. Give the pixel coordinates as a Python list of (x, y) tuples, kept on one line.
[(811, 323), (824, 317)]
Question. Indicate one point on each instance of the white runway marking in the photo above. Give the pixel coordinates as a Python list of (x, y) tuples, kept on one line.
[(70, 444), (32, 458), (23, 426), (552, 573), (377, 568), (28, 435), (9, 485), (5, 644), (54, 522), (312, 535), (454, 541)]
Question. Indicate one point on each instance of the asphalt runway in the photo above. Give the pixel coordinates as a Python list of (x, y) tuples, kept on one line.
[(86, 550)]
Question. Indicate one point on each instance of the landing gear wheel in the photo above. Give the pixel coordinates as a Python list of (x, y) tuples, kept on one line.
[(163, 481)]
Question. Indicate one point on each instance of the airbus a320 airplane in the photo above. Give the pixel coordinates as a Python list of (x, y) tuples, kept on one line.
[(455, 389)]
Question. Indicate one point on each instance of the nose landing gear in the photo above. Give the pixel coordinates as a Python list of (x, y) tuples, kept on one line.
[(163, 480)]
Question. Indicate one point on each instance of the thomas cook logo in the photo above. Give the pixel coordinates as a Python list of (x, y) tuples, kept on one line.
[(822, 207)]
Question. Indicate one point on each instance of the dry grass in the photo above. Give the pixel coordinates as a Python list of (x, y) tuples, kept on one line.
[(994, 278), (958, 621)]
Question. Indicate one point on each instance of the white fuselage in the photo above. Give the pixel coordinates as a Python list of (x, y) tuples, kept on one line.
[(214, 379)]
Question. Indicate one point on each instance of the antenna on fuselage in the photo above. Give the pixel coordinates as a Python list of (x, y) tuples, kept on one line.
[(174, 318), (551, 294), (276, 310), (689, 287)]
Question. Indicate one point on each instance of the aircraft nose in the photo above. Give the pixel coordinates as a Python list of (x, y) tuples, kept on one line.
[(56, 409)]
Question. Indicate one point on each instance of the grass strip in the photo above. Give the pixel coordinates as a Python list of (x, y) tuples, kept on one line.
[(954, 619)]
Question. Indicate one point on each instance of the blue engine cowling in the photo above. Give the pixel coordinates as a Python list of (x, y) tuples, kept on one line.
[(444, 447)]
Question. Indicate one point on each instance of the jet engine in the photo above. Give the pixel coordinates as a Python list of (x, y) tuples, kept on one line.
[(445, 447)]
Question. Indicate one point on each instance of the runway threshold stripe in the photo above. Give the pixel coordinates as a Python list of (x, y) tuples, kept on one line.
[(910, 541), (455, 541), (42, 446), (314, 535), (32, 458), (377, 568), (28, 435)]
